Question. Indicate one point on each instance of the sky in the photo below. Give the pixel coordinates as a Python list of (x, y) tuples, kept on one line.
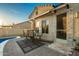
[(13, 13)]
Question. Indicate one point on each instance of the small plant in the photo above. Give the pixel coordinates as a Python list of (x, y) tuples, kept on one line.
[(77, 46)]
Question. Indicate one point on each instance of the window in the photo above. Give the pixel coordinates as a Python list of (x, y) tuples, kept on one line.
[(44, 26), (37, 26)]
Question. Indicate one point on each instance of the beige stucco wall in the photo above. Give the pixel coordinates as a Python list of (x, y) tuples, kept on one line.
[(77, 29), (51, 36), (61, 11), (11, 32), (52, 25), (70, 27), (75, 8), (16, 30), (23, 25), (72, 24)]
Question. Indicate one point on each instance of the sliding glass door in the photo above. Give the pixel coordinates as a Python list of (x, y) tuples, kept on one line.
[(61, 26)]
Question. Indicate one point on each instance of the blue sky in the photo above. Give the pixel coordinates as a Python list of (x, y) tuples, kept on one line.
[(16, 12)]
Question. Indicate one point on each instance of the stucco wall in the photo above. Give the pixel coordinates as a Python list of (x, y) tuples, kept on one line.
[(77, 29), (51, 36), (75, 9), (72, 24), (70, 27), (23, 25), (16, 30), (52, 25), (11, 32)]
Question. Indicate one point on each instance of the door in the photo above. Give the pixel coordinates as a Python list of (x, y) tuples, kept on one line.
[(61, 26)]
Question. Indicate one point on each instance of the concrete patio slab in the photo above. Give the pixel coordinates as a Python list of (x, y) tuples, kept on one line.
[(13, 49), (44, 51)]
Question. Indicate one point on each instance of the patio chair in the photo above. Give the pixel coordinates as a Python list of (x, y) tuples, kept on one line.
[(30, 34), (34, 36)]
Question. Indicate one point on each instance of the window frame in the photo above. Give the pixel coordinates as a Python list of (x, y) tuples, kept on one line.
[(45, 24)]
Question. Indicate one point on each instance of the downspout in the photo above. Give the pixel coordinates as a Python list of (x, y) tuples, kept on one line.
[(73, 25), (73, 29), (74, 40)]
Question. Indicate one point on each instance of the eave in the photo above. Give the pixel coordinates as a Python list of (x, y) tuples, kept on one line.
[(42, 14), (50, 11)]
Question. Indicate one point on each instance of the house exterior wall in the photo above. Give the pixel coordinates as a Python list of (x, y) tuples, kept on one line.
[(72, 24), (76, 29), (51, 35), (74, 20), (69, 26), (75, 8)]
